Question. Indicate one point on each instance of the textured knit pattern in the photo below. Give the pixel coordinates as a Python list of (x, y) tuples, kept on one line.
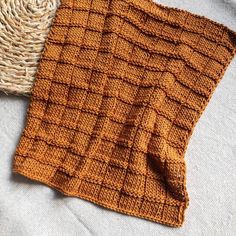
[(24, 25), (120, 87)]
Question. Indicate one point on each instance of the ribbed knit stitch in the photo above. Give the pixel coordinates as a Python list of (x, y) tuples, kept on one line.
[(119, 89)]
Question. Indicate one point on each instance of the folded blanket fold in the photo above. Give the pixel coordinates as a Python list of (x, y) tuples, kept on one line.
[(120, 86)]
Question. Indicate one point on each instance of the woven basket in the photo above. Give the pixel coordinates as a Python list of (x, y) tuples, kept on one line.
[(24, 25)]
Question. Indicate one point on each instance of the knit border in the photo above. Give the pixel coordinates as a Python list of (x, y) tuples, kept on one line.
[(27, 169)]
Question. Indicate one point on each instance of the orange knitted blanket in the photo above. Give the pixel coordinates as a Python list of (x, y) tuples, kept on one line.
[(119, 89)]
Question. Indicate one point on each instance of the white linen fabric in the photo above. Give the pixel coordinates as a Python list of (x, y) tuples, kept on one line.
[(29, 208)]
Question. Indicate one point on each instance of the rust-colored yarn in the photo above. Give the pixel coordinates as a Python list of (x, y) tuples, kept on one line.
[(120, 87)]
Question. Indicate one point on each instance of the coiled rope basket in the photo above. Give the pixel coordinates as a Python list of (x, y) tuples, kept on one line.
[(24, 25)]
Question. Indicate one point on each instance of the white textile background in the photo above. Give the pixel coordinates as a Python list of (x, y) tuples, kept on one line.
[(29, 208)]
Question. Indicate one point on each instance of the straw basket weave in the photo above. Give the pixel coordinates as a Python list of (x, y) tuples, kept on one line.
[(24, 25)]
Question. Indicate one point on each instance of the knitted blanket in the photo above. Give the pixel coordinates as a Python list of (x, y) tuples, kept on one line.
[(120, 87)]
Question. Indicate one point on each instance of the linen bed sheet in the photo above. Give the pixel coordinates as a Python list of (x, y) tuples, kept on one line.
[(30, 208)]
